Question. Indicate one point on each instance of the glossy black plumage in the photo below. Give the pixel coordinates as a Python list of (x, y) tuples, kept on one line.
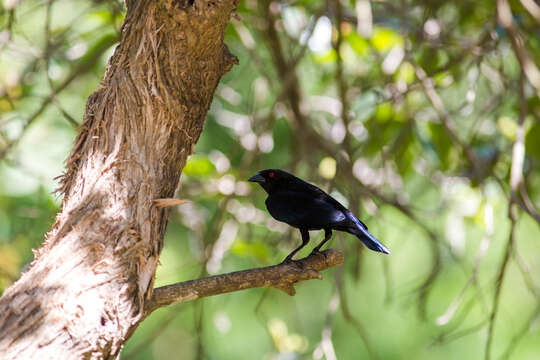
[(306, 207)]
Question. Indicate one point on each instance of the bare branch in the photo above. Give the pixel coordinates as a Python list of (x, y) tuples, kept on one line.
[(533, 9), (448, 124), (524, 329), (351, 319), (504, 16), (84, 66), (282, 276), (499, 282), (516, 177), (157, 330), (340, 76)]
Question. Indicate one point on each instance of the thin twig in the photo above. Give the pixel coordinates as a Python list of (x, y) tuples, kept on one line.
[(157, 331), (499, 282), (516, 178), (517, 338), (340, 77), (528, 66), (81, 68), (533, 288), (349, 317), (447, 123), (533, 8), (326, 345)]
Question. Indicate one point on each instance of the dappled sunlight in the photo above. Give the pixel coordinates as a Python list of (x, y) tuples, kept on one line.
[(421, 117)]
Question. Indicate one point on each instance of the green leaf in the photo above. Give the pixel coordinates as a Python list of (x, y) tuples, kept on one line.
[(384, 39), (532, 141), (384, 112), (440, 143), (198, 166), (250, 249), (325, 58), (357, 43), (508, 127), (405, 73)]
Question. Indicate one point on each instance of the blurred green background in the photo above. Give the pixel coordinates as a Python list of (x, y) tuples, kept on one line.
[(406, 111)]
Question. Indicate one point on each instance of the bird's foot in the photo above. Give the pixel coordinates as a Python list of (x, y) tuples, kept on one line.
[(287, 260), (316, 251), (290, 261)]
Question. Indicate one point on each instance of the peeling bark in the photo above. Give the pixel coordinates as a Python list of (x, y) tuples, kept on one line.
[(86, 290)]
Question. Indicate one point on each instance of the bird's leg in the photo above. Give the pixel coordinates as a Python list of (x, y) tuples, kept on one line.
[(327, 236), (305, 240)]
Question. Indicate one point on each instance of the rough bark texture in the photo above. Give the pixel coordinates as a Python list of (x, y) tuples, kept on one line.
[(86, 290), (282, 276)]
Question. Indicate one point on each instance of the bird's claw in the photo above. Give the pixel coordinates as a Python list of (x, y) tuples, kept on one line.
[(318, 252), (290, 261), (287, 260)]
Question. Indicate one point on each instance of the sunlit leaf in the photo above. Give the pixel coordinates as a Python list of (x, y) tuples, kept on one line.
[(532, 141), (405, 73), (358, 43), (198, 166), (326, 57), (327, 168), (440, 142), (384, 39), (10, 260), (384, 112), (508, 127), (257, 250)]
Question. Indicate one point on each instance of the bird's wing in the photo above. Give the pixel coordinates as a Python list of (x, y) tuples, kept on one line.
[(303, 210), (302, 186)]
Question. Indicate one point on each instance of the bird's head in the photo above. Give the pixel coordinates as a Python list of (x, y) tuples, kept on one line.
[(271, 179)]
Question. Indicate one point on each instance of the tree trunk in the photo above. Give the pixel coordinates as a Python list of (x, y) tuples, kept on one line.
[(85, 292)]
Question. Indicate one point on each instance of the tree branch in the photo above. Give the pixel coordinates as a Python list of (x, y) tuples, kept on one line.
[(83, 295), (447, 123), (505, 18), (282, 276), (84, 66), (516, 178)]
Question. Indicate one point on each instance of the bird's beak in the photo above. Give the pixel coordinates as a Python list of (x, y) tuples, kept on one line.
[(257, 178)]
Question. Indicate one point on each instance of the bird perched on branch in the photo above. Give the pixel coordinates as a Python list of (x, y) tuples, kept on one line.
[(306, 207)]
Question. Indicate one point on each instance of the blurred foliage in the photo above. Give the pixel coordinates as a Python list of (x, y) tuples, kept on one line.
[(345, 96)]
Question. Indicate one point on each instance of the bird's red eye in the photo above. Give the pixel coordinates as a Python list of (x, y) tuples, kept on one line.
[(271, 174)]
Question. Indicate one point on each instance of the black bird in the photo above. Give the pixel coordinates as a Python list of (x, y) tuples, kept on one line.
[(306, 207)]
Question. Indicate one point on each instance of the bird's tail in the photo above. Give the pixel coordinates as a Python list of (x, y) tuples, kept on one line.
[(360, 230)]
